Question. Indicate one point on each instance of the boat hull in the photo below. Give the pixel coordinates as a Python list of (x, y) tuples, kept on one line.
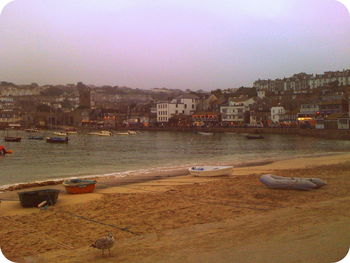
[(291, 183), (56, 140), (12, 139), (77, 186), (34, 198), (211, 170)]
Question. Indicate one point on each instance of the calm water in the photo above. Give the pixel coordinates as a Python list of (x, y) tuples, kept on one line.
[(94, 155)]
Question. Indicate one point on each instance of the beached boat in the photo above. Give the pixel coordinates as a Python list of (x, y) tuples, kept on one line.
[(206, 133), (57, 140), (254, 137), (210, 170), (281, 182), (34, 198), (60, 133), (78, 186), (101, 133)]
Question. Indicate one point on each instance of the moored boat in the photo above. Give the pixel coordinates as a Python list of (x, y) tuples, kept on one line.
[(122, 133), (101, 133), (12, 139), (60, 133), (210, 170), (78, 186), (57, 140), (254, 137), (206, 133), (32, 130), (35, 137)]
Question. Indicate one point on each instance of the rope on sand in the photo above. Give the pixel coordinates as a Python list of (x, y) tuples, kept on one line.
[(99, 222)]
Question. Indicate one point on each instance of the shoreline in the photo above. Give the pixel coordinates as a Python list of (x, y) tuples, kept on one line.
[(190, 219), (127, 177)]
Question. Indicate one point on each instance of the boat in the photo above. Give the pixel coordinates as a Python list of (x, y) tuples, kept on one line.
[(60, 133), (12, 139), (35, 137), (34, 198), (32, 130), (122, 133), (210, 170), (71, 131), (57, 140), (281, 182), (101, 133), (78, 186), (132, 132), (255, 137), (206, 133)]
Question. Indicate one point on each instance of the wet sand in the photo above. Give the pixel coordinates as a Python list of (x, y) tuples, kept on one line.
[(191, 219)]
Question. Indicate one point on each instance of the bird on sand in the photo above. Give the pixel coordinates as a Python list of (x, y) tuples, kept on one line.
[(104, 243)]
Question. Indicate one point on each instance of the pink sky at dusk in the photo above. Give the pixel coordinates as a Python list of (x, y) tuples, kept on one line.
[(175, 44)]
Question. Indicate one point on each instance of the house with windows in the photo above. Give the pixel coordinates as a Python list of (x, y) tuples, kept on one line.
[(237, 111)]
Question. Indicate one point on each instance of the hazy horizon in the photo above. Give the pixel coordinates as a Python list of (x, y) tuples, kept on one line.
[(173, 44)]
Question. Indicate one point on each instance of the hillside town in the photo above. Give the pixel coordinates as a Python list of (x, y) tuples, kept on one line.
[(319, 101)]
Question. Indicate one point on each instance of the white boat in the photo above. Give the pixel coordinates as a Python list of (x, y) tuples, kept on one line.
[(60, 133), (132, 132), (206, 133), (101, 133), (210, 170)]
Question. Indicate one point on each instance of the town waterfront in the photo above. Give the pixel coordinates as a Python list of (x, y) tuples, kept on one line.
[(87, 155)]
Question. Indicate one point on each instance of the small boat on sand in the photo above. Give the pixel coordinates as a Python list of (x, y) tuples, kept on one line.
[(210, 170), (206, 133), (34, 198), (294, 183), (78, 186), (57, 140)]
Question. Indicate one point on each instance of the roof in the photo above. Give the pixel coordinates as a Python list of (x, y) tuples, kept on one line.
[(187, 96)]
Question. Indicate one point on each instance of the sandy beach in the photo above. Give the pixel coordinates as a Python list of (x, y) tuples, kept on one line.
[(182, 218)]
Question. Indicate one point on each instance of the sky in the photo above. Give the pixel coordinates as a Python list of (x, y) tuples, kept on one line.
[(177, 44)]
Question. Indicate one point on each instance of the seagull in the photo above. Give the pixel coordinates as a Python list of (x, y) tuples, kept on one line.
[(104, 243)]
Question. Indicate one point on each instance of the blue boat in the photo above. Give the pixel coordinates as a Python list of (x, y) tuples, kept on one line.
[(57, 140)]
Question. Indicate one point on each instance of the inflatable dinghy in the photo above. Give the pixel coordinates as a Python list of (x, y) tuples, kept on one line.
[(280, 182)]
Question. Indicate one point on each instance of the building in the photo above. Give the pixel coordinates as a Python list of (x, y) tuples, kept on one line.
[(277, 114), (183, 104), (237, 111)]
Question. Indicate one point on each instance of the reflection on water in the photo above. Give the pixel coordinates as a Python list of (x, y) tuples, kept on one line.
[(89, 155)]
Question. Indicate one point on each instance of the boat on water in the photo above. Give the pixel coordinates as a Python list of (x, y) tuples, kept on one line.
[(101, 133), (60, 133), (292, 183), (57, 140), (32, 130), (71, 131), (3, 151), (78, 186), (12, 139), (210, 170), (38, 138), (122, 133), (132, 132), (255, 137), (34, 198), (206, 133)]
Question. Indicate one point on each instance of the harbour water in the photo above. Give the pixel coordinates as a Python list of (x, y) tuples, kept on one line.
[(87, 155)]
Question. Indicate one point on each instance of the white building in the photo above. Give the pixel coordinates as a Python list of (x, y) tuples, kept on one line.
[(277, 113), (184, 104), (236, 109)]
